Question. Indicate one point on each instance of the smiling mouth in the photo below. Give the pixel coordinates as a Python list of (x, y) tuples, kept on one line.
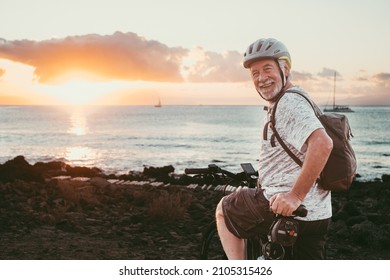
[(264, 86)]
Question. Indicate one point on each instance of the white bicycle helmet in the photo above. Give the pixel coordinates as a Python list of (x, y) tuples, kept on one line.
[(266, 48)]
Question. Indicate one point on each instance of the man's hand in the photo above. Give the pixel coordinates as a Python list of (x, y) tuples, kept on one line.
[(284, 203)]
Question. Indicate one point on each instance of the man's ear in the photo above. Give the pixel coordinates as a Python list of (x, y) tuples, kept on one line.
[(286, 71)]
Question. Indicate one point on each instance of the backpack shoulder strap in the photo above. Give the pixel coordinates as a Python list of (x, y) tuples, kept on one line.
[(317, 111), (284, 146)]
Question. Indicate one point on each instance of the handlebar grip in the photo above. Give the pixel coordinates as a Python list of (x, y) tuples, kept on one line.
[(301, 211), (196, 171)]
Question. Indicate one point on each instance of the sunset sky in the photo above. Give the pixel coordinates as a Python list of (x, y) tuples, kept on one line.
[(124, 52)]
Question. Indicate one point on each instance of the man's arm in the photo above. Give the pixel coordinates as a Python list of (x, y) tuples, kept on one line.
[(319, 146)]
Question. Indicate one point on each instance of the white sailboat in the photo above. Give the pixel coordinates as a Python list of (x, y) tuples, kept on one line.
[(158, 105), (337, 108)]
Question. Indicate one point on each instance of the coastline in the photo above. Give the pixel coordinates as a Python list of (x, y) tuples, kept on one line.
[(56, 211)]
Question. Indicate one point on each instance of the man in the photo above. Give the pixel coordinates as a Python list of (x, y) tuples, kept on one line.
[(282, 184)]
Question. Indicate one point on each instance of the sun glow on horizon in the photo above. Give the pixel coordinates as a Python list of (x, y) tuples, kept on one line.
[(75, 87), (75, 92)]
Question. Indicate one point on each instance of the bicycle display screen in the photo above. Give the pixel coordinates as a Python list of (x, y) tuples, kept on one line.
[(248, 168)]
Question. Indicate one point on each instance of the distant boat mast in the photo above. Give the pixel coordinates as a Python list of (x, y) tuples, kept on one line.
[(158, 105), (334, 90), (337, 108)]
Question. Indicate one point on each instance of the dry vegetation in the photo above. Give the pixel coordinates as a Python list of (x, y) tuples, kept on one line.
[(170, 206)]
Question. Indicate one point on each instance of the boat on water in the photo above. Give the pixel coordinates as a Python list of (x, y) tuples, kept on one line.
[(158, 105), (337, 108)]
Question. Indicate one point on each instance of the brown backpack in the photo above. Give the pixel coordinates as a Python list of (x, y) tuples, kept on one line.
[(340, 169)]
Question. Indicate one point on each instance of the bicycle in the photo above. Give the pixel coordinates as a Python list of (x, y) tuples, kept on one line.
[(283, 230)]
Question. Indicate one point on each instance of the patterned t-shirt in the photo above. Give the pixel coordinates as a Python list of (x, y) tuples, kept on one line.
[(295, 122)]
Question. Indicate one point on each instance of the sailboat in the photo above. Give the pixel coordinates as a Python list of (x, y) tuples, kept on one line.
[(158, 105), (337, 108)]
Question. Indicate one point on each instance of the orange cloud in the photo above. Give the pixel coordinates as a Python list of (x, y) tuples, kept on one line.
[(2, 71), (120, 56)]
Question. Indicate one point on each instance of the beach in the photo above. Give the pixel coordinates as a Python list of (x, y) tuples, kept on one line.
[(53, 211)]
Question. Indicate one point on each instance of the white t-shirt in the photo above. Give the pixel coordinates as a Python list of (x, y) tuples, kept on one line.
[(295, 122)]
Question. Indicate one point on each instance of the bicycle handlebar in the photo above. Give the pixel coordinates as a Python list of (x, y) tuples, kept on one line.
[(196, 171), (301, 211), (212, 168)]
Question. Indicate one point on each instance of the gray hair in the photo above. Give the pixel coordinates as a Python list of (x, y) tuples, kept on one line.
[(283, 65)]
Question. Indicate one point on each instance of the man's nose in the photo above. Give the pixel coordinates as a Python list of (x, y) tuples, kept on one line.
[(261, 77)]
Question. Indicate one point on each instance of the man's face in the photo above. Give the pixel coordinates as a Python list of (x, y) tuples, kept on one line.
[(266, 78)]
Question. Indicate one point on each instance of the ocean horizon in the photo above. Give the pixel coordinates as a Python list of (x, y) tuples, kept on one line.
[(118, 139)]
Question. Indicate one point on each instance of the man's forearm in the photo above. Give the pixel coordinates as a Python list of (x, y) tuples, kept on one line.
[(319, 147)]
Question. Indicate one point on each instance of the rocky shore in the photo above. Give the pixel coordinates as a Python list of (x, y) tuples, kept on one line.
[(56, 211)]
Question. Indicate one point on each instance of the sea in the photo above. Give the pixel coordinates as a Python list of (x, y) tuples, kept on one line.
[(119, 139)]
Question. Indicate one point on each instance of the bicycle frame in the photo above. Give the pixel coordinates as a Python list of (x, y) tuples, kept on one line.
[(247, 179), (259, 247)]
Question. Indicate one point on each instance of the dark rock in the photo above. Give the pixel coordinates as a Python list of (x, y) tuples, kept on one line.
[(339, 229), (51, 169), (132, 176), (386, 178), (82, 171), (351, 208), (365, 233), (158, 171), (355, 220), (19, 169), (99, 182)]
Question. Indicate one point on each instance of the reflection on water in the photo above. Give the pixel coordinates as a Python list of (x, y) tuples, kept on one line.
[(78, 123), (79, 154)]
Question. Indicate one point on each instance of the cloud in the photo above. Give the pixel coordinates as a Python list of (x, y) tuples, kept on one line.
[(327, 72), (364, 89), (2, 72), (216, 67), (123, 56), (382, 80), (302, 76)]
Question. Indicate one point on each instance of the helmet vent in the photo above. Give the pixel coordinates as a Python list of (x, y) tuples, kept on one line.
[(269, 46), (250, 49), (259, 47)]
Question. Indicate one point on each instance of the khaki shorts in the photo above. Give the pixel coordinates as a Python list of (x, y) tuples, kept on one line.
[(247, 213)]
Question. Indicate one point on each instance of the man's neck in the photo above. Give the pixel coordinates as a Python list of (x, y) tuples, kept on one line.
[(284, 89)]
